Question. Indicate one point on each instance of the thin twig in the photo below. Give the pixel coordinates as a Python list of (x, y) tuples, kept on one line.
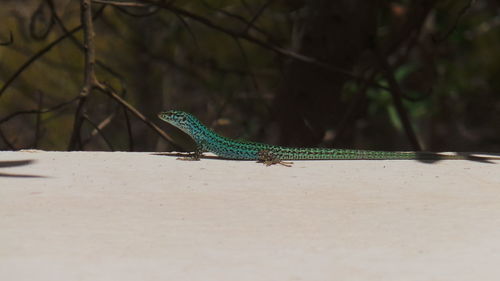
[(103, 124), (254, 40), (241, 19), (38, 119), (247, 64), (111, 93), (37, 111), (190, 31), (6, 141), (129, 13), (129, 130), (79, 44), (40, 53), (98, 129), (122, 4), (90, 80), (397, 96), (33, 21), (462, 12), (246, 36), (34, 58), (256, 16)]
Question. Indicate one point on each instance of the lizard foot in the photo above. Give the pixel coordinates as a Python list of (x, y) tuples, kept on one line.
[(268, 158), (193, 156)]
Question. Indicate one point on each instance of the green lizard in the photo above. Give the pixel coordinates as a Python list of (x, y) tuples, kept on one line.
[(208, 141)]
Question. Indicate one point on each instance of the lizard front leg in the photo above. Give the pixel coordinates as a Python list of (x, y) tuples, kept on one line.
[(269, 158), (193, 156)]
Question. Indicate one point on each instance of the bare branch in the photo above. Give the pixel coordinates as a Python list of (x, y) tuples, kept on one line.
[(254, 40), (121, 4), (190, 31), (90, 80), (37, 111), (111, 93), (98, 129), (462, 12), (246, 36), (257, 15), (40, 53), (38, 15), (79, 44), (247, 23)]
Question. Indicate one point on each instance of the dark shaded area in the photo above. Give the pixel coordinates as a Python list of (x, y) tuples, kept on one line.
[(186, 155), (431, 157), (19, 176), (17, 163), (10, 41)]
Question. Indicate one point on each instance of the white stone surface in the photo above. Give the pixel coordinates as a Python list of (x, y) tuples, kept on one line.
[(140, 216)]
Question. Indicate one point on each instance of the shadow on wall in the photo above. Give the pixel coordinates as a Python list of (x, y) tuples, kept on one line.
[(16, 163)]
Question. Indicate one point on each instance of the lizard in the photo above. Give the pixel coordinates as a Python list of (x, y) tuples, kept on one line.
[(209, 141)]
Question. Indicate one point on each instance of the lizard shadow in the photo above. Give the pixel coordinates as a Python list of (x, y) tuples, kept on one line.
[(186, 154), (16, 163), (480, 157), (424, 157)]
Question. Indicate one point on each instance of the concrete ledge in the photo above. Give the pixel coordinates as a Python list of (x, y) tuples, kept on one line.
[(139, 216)]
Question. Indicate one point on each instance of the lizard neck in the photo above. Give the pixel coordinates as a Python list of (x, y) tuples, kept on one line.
[(205, 138), (208, 140)]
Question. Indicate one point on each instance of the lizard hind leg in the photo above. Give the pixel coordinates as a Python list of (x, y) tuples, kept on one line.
[(269, 158)]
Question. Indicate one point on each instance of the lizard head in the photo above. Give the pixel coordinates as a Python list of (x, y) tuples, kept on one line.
[(180, 119)]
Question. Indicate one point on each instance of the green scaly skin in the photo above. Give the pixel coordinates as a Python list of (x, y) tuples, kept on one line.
[(208, 141)]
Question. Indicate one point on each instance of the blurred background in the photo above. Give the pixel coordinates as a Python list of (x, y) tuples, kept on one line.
[(382, 75)]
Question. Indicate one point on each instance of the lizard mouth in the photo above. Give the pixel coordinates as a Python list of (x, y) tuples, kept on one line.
[(164, 114), (176, 118), (167, 116)]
